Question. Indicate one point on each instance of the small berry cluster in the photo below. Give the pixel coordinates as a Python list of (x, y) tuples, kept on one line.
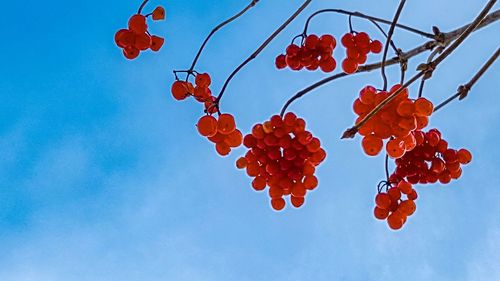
[(358, 46), (313, 53), (200, 91), (431, 160), (283, 156), (221, 131), (392, 207), (137, 38), (395, 121)]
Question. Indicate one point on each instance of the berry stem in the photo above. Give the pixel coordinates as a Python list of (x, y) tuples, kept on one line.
[(387, 167), (142, 6), (429, 45), (248, 7), (351, 30), (421, 88), (463, 90), (261, 48), (388, 41), (385, 35), (427, 71), (361, 15)]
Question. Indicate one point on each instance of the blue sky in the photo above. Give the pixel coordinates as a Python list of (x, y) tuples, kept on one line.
[(104, 177)]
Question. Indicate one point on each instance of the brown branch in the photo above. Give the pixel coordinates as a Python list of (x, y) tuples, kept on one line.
[(429, 45), (261, 48), (427, 70), (388, 41), (371, 18), (464, 90), (248, 7)]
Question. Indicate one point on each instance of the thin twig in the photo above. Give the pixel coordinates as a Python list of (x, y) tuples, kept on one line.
[(261, 48), (429, 45), (361, 15), (389, 38), (248, 7), (385, 35), (430, 67), (464, 90)]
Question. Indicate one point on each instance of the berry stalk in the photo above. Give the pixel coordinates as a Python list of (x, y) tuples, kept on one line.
[(248, 7), (261, 48), (388, 41)]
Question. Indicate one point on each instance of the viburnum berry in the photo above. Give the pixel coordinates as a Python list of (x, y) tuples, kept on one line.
[(181, 90), (200, 91), (137, 23), (207, 126), (393, 207), (158, 13), (395, 121), (358, 45), (137, 38), (283, 154), (430, 161), (130, 52), (315, 52), (156, 43)]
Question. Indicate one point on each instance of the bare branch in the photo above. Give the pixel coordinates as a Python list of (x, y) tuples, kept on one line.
[(361, 15), (463, 90), (427, 71)]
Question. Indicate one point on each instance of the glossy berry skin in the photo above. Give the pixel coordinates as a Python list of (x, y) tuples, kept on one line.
[(394, 122), (136, 37), (158, 13), (396, 204), (283, 156), (431, 161), (358, 46), (315, 53)]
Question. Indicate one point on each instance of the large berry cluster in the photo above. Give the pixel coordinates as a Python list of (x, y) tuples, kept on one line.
[(314, 52), (391, 206), (137, 38), (200, 91), (431, 160), (395, 121), (358, 46), (221, 131), (283, 156)]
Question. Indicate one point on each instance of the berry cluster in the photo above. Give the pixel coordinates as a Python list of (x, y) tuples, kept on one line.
[(392, 207), (358, 46), (137, 38), (200, 91), (283, 156), (221, 131), (395, 121), (431, 160), (314, 52)]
